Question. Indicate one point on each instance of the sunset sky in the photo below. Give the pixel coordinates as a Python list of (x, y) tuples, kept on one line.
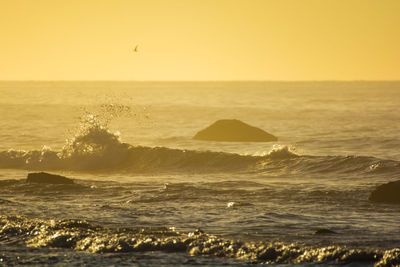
[(200, 40)]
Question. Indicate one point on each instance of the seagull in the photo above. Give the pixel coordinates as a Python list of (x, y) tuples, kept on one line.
[(135, 49)]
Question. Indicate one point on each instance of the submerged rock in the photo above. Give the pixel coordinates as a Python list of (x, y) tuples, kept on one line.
[(234, 131), (389, 193), (324, 231), (47, 178)]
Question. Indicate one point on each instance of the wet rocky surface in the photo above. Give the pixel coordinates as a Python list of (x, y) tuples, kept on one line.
[(82, 236)]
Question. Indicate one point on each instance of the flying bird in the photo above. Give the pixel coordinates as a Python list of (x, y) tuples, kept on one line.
[(135, 49)]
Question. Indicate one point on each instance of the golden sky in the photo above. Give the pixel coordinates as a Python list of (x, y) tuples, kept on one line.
[(200, 39)]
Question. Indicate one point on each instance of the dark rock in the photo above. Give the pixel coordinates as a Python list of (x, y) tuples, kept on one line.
[(234, 131), (324, 231), (389, 193), (47, 178)]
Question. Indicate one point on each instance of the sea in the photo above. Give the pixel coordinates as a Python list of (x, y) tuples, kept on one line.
[(146, 193)]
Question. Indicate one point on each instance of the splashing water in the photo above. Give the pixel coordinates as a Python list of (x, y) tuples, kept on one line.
[(93, 137), (106, 113), (281, 152), (91, 145), (94, 144)]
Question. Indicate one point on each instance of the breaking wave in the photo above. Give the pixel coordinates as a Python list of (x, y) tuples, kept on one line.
[(95, 148)]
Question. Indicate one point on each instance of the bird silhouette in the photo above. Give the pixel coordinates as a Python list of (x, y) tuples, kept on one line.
[(135, 49)]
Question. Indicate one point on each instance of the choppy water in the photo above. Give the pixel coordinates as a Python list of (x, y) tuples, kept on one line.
[(146, 194)]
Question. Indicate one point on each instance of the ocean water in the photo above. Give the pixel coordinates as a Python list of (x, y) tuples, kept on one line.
[(147, 194)]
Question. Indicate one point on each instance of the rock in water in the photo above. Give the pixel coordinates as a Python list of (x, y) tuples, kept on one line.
[(234, 131), (324, 231), (389, 193), (47, 178)]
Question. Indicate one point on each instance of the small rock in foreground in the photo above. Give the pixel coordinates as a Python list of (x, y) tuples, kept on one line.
[(47, 178)]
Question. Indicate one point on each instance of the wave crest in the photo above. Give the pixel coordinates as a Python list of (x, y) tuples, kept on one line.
[(95, 148), (93, 138), (281, 152)]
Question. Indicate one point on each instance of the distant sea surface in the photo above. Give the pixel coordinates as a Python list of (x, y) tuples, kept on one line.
[(147, 194)]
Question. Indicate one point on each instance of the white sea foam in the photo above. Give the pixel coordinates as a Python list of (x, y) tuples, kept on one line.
[(281, 152)]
